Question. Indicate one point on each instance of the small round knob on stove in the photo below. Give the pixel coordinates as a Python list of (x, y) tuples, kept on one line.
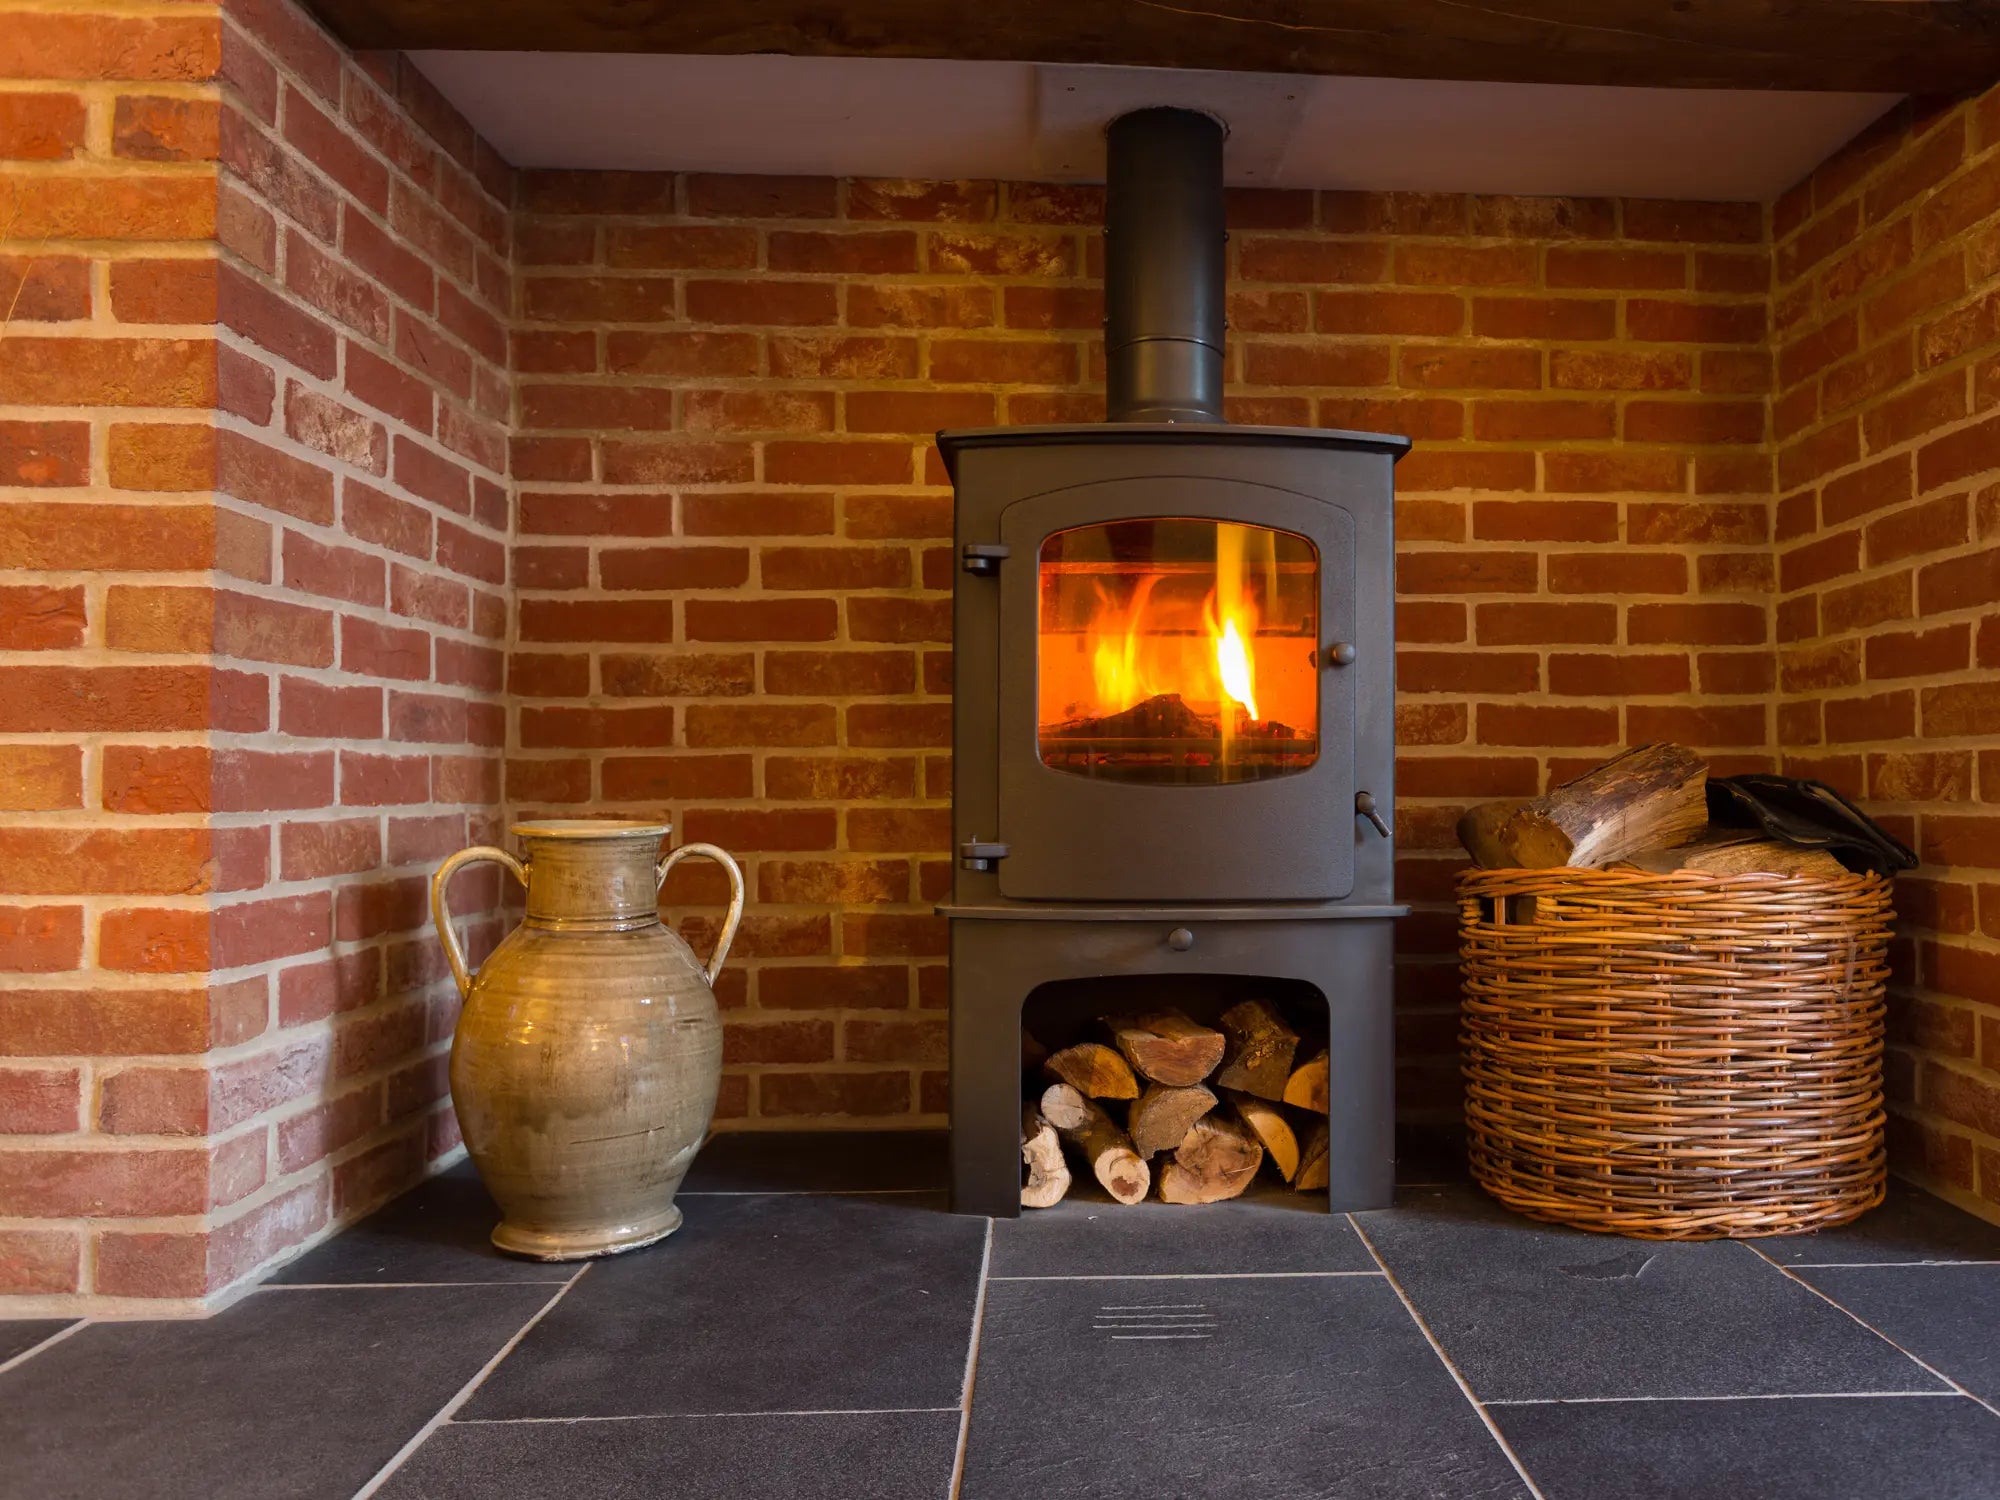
[(1341, 653), (1180, 940)]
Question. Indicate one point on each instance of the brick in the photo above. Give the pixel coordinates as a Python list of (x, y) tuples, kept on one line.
[(38, 618), (1460, 572), (45, 288), (673, 568), (37, 371), (1527, 724), (1466, 672), (1569, 318), (1663, 321), (1489, 368), (41, 126), (1620, 675), (709, 675), (1709, 726), (1703, 624), (1545, 420), (1518, 624)]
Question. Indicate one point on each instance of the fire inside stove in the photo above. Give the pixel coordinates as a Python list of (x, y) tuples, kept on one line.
[(1179, 650)]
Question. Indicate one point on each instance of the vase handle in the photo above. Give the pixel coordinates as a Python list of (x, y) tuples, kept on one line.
[(721, 857), (440, 914)]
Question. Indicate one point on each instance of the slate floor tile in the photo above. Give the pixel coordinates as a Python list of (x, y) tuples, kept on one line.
[(1948, 1316), (1910, 1226), (1528, 1310), (19, 1336), (905, 1456), (286, 1394), (439, 1231), (1809, 1448), (1264, 1390), (1268, 1230), (823, 1161), (761, 1304)]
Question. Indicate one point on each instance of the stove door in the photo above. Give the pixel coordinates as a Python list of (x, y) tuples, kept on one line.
[(1175, 721)]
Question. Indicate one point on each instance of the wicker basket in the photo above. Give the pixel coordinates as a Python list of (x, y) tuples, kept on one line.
[(1675, 1056)]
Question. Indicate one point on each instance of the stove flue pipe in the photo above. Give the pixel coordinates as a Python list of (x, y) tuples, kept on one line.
[(1164, 268)]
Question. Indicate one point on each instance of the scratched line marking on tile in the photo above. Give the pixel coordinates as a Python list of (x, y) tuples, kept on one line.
[(1148, 1322)]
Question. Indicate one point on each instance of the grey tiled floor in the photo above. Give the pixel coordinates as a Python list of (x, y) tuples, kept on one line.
[(823, 1330)]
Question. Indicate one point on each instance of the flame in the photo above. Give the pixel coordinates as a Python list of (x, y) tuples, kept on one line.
[(1135, 657)]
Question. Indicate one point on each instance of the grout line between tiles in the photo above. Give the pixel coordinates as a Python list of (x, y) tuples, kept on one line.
[(1832, 1302), (701, 1416), (1877, 1265), (812, 1193), (1444, 1359), (971, 1367), (465, 1392), (1763, 1396), (48, 1343), (399, 1286), (1194, 1276)]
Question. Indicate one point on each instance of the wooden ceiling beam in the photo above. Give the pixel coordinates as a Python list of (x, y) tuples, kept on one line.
[(1888, 46)]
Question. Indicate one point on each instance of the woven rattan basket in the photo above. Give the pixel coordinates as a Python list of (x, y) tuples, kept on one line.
[(1675, 1056)]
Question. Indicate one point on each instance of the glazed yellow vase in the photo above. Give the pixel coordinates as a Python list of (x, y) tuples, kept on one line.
[(588, 1053)]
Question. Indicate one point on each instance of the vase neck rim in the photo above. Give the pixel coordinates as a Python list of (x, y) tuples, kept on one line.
[(587, 830)]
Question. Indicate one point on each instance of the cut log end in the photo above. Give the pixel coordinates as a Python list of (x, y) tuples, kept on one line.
[(1094, 1070), (1215, 1161), (1041, 1152), (1313, 1170), (1166, 1047), (1307, 1087), (1268, 1123), (1108, 1152), (1063, 1107)]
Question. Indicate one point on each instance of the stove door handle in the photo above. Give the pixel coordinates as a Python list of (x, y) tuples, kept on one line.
[(1364, 807)]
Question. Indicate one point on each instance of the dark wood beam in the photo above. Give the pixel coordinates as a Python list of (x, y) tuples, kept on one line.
[(1890, 46)]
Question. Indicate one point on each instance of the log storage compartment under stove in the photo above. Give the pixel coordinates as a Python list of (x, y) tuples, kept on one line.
[(1173, 728)]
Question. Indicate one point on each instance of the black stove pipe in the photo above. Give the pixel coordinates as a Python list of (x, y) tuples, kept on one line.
[(1164, 269)]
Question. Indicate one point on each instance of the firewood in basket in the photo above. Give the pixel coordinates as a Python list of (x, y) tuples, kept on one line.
[(1313, 1171), (1268, 1123), (1737, 852), (1048, 1173), (1258, 1058), (1652, 797), (1161, 1116), (1215, 1160), (1094, 1070), (1306, 1088), (1063, 1107), (1121, 1171), (1167, 1047)]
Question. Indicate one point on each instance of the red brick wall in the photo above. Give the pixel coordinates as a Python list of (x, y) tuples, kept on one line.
[(252, 454), (733, 555), (1887, 418)]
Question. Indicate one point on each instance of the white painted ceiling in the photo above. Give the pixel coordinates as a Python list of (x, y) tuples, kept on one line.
[(871, 117)]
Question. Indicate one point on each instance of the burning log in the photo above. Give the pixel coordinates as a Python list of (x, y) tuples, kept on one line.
[(1063, 1107), (1313, 1172), (1041, 1152), (1307, 1087), (1108, 1150), (1162, 1116), (1164, 716), (1166, 1047), (1258, 1058), (1215, 1160), (1094, 1070), (1265, 1121), (1651, 797)]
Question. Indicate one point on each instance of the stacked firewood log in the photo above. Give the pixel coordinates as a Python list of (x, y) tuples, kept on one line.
[(1169, 1108)]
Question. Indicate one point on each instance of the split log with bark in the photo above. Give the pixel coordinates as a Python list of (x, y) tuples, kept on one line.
[(1651, 797), (1094, 1070), (1258, 1056), (1274, 1132), (1162, 1116), (1313, 1170)]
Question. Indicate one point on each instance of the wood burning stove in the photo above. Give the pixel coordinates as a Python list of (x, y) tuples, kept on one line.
[(1173, 726)]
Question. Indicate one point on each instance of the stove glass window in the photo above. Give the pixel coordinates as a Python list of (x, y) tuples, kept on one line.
[(1177, 650)]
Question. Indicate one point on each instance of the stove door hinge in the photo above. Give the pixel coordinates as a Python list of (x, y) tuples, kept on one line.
[(983, 559), (977, 855)]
